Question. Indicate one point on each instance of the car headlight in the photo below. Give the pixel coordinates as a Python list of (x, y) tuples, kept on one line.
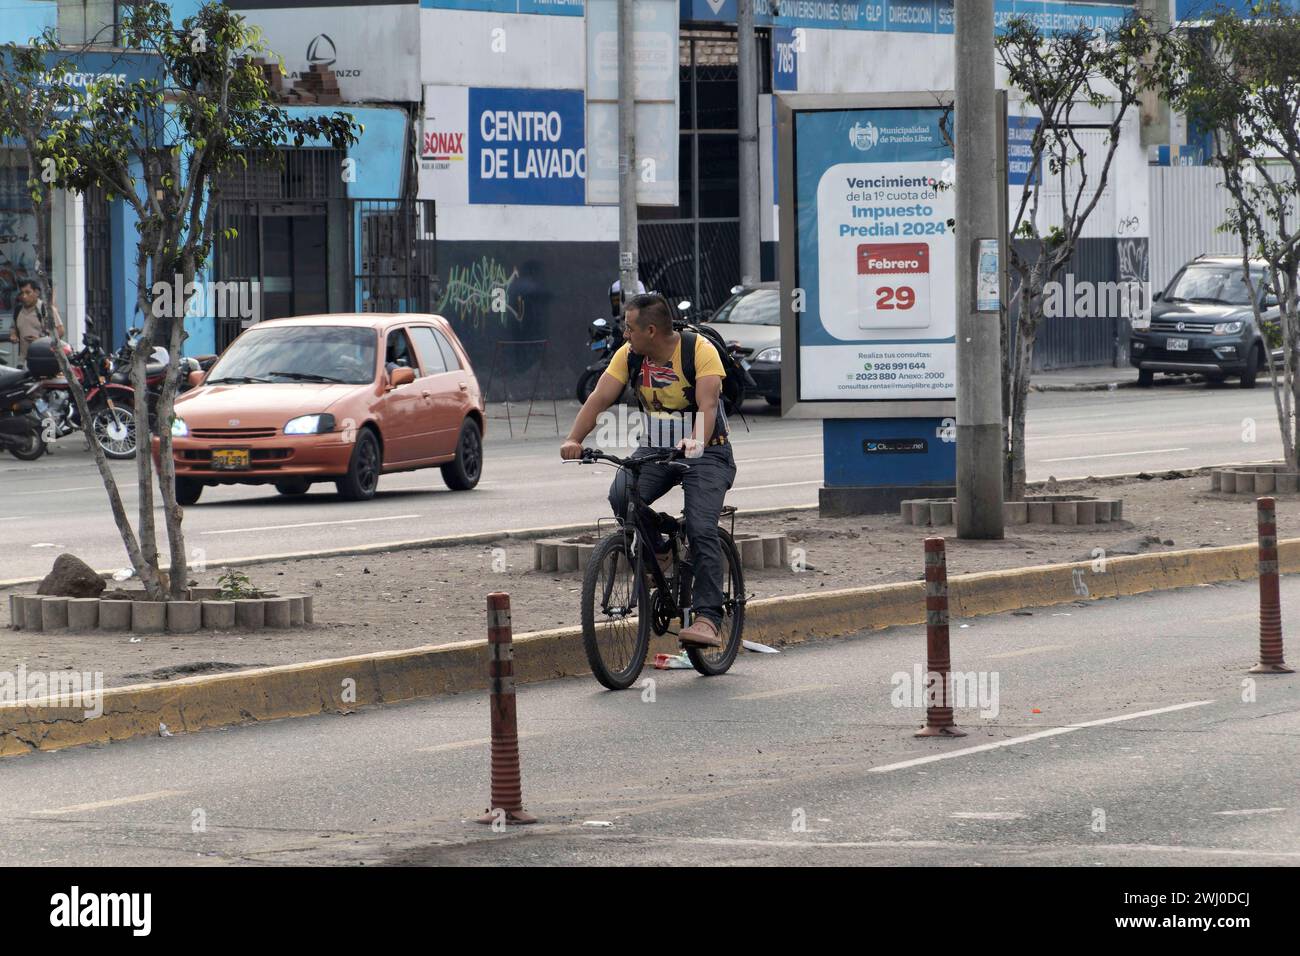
[(309, 425), (179, 428), (769, 355), (1228, 328)]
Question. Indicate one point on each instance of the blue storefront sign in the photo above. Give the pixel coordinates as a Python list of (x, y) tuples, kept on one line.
[(1020, 154), (527, 147), (785, 59), (558, 8), (907, 16)]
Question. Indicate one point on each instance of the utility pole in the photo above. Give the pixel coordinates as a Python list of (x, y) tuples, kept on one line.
[(747, 55), (628, 266), (979, 363)]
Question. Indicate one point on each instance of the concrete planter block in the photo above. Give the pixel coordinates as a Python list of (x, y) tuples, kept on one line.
[(545, 556), (1246, 482), (16, 611), (1215, 476), (1228, 482), (295, 609), (1265, 483), (184, 617), (32, 612), (205, 594), (54, 613), (1015, 512), (566, 558), (1103, 506), (1087, 512), (751, 553), (277, 613), (1040, 512), (1065, 512), (941, 513), (1116, 509), (584, 553), (1285, 483), (250, 613), (772, 551), (148, 617), (83, 614), (307, 613), (115, 615), (920, 513), (905, 511), (218, 615)]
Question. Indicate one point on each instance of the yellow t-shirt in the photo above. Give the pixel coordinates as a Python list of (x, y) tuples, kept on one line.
[(663, 388)]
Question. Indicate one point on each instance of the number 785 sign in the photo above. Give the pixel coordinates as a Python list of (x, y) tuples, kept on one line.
[(894, 285)]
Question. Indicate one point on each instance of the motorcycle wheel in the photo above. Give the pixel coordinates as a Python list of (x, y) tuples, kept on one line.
[(587, 383), (115, 430), (33, 449)]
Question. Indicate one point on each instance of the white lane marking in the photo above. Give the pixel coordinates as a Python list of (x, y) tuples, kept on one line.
[(1248, 813), (1040, 649), (463, 744), (1015, 741), (783, 484), (764, 461), (990, 815), (116, 802), (307, 524), (1114, 454), (54, 491), (782, 692)]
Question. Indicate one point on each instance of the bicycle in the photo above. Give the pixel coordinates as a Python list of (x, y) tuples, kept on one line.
[(623, 578)]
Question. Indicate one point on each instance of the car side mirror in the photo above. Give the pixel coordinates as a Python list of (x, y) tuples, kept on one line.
[(401, 376), (1157, 297), (195, 379), (1270, 302)]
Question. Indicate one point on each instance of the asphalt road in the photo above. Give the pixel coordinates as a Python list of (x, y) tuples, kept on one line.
[(58, 503), (1121, 738)]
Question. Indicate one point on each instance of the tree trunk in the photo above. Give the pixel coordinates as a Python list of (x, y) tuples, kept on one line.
[(149, 573), (173, 514)]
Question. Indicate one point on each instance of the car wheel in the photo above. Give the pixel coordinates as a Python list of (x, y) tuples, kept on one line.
[(188, 491), (299, 487), (462, 473), (362, 479), (1145, 377), (1252, 369)]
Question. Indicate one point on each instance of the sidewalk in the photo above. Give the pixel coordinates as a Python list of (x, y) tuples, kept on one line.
[(1090, 378)]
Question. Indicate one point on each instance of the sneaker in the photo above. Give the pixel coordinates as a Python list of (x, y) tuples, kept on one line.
[(702, 633)]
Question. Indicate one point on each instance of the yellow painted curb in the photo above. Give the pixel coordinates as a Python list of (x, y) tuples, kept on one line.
[(343, 684)]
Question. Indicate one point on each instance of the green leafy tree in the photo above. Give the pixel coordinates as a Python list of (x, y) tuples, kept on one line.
[(1240, 78), (1061, 77), (161, 143)]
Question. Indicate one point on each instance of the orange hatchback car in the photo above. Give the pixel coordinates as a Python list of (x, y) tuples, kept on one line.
[(341, 398)]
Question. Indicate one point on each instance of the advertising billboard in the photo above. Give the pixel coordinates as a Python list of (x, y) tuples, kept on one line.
[(868, 255)]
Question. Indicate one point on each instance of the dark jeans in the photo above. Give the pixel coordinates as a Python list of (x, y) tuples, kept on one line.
[(705, 487)]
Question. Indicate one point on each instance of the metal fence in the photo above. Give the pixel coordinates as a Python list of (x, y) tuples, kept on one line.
[(396, 256)]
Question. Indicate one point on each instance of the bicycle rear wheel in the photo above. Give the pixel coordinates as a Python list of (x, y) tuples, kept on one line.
[(616, 614), (712, 661)]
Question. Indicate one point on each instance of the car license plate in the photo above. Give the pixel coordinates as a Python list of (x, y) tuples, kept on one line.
[(230, 459), (597, 345), (1176, 345)]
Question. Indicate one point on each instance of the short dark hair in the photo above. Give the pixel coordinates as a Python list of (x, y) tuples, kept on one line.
[(653, 310), (29, 284)]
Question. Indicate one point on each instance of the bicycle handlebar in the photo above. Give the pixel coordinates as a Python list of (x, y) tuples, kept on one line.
[(663, 456)]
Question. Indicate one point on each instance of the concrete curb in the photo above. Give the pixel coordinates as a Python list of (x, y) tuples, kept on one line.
[(342, 685)]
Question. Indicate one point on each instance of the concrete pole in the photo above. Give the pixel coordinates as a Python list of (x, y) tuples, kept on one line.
[(747, 55), (979, 389), (628, 265)]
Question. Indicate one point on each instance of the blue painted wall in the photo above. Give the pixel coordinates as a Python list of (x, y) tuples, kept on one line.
[(20, 20)]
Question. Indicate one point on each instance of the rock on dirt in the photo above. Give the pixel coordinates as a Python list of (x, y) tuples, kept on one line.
[(71, 577)]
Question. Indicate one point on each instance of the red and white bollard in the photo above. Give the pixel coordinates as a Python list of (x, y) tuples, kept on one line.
[(1270, 600), (507, 787), (938, 718)]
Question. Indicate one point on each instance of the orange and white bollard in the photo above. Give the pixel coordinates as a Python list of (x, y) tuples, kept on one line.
[(507, 787), (1270, 599), (938, 718)]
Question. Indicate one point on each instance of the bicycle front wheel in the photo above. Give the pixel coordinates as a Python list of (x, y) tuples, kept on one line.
[(712, 661), (616, 615)]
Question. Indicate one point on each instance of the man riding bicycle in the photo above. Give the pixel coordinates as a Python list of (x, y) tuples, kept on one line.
[(677, 413)]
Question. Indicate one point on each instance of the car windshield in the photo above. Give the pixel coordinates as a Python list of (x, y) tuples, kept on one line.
[(1207, 283), (760, 307), (299, 353)]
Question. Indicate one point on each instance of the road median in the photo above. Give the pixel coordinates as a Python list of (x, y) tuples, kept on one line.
[(342, 685)]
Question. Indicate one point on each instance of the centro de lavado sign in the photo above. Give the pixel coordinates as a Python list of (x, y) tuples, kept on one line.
[(527, 147)]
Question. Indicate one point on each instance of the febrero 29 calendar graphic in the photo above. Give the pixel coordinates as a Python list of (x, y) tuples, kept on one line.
[(875, 203)]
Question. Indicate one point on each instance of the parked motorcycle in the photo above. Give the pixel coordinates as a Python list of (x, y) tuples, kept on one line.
[(111, 404), (21, 432), (606, 337), (155, 370)]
